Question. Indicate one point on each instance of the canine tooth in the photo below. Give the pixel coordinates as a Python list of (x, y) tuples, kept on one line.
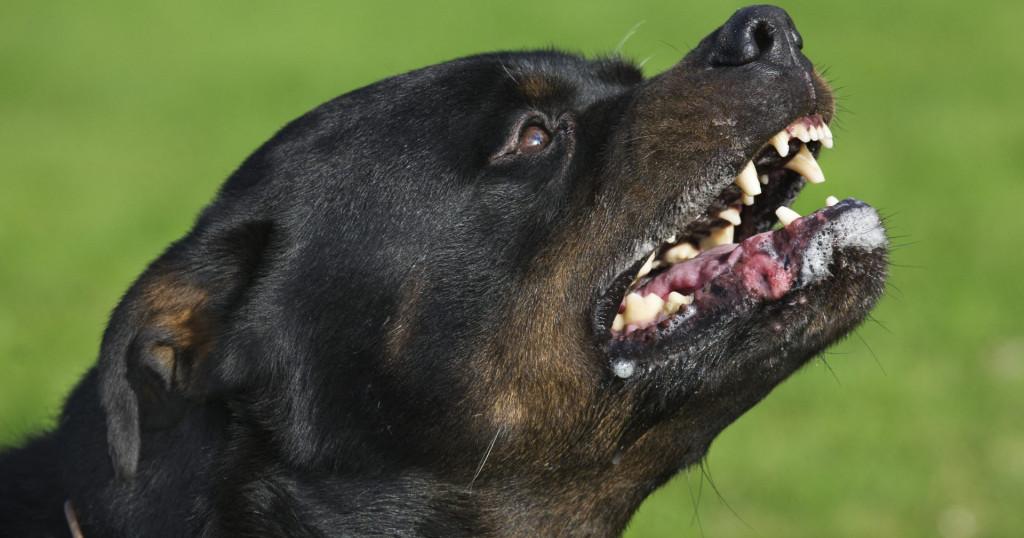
[(804, 164), (647, 266), (675, 301), (786, 215), (747, 199), (781, 143), (831, 201), (718, 236), (680, 253), (641, 309), (747, 180), (618, 323), (731, 215)]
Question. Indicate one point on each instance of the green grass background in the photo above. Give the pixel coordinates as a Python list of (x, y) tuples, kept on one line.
[(118, 120)]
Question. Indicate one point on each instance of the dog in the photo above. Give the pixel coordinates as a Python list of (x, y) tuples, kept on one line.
[(507, 295)]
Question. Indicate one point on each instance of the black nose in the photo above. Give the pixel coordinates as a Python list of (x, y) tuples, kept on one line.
[(756, 33)]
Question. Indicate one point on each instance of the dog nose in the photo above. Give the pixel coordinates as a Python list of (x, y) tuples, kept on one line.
[(756, 34)]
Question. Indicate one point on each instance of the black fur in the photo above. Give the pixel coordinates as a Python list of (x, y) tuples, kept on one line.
[(388, 322)]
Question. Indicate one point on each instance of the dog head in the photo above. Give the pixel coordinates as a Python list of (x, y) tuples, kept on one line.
[(548, 279)]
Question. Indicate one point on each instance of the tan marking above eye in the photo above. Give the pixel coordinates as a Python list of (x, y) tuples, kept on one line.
[(533, 139)]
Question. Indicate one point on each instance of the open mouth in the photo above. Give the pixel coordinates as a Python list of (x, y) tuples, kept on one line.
[(730, 257)]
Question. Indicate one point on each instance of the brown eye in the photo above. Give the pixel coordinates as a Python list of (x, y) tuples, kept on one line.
[(533, 139)]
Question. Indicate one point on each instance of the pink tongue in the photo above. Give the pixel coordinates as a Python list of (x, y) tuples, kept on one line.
[(689, 276), (754, 263)]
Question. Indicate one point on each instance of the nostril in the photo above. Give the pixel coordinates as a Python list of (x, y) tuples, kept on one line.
[(763, 38), (755, 34)]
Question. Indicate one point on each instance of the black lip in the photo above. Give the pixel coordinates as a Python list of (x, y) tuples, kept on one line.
[(608, 303)]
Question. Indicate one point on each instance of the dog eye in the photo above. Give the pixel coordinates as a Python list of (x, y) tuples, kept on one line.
[(533, 139)]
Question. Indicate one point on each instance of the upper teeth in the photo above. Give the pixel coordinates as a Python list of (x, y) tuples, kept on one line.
[(731, 215), (747, 180), (799, 130), (781, 143), (826, 138), (646, 267), (680, 253), (804, 164), (718, 236)]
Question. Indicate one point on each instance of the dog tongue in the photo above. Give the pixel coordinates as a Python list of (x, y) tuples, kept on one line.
[(755, 263), (689, 276)]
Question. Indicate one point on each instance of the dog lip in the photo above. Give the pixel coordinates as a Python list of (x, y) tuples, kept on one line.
[(765, 267)]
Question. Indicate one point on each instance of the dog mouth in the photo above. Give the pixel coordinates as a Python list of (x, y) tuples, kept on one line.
[(730, 258)]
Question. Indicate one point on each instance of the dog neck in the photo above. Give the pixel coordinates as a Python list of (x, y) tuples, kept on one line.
[(419, 505)]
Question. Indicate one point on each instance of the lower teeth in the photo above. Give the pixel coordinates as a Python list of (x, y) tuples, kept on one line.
[(643, 310)]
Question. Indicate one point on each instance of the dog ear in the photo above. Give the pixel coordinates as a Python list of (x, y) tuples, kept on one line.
[(159, 350)]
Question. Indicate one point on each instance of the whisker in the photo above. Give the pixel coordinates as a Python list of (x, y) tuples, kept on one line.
[(706, 471), (831, 371), (487, 454), (695, 502), (625, 38), (872, 351)]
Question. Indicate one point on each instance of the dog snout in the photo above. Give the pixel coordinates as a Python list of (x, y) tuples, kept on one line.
[(756, 34)]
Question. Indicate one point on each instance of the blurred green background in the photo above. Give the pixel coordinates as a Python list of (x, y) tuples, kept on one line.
[(118, 120)]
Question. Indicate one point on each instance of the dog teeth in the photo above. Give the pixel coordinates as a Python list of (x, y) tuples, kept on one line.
[(826, 139), (641, 310), (747, 199), (763, 178), (831, 201), (747, 180), (680, 253), (718, 236), (731, 215), (675, 301), (786, 215), (799, 130), (804, 164), (806, 129), (647, 266), (781, 143)]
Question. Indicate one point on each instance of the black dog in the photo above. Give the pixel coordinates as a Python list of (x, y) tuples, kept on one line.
[(467, 301)]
